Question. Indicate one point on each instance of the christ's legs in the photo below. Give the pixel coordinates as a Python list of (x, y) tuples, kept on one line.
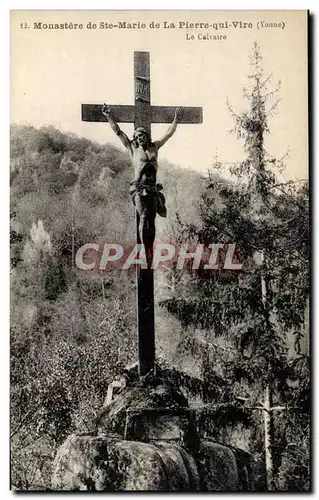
[(146, 209)]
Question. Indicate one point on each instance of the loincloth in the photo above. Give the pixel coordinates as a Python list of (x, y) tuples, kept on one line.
[(145, 190)]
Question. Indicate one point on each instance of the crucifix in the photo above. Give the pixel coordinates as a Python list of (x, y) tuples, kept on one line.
[(145, 192)]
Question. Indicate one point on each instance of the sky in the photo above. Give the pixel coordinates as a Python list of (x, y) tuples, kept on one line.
[(54, 71)]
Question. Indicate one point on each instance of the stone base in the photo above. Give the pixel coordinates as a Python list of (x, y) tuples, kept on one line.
[(98, 463), (146, 440)]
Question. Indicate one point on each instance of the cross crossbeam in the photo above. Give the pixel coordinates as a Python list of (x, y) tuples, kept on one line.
[(126, 114)]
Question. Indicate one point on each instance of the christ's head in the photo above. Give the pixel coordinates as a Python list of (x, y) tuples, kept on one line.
[(141, 137)]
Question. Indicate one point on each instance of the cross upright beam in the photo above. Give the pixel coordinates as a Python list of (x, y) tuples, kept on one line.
[(142, 114), (144, 277), (142, 90)]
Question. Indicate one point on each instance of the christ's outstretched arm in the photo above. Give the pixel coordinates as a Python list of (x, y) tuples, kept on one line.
[(171, 130), (106, 110)]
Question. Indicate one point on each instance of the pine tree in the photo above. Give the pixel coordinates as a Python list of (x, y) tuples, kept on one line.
[(266, 302)]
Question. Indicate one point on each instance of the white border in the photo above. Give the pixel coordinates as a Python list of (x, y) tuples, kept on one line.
[(4, 181)]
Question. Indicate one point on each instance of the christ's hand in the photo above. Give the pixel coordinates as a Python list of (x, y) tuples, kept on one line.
[(106, 110), (178, 113)]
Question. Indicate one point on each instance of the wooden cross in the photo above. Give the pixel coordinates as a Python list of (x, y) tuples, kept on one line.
[(142, 114)]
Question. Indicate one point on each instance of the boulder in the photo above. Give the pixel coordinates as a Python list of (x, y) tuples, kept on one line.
[(96, 463), (218, 468)]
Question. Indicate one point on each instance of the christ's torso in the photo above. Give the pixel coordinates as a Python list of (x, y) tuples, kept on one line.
[(144, 163)]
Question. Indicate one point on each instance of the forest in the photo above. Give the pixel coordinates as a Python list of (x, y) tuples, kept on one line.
[(244, 333)]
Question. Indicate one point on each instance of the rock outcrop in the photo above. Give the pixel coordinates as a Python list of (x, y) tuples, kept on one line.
[(145, 440)]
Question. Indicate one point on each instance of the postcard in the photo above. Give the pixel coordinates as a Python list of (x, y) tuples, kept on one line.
[(159, 236)]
